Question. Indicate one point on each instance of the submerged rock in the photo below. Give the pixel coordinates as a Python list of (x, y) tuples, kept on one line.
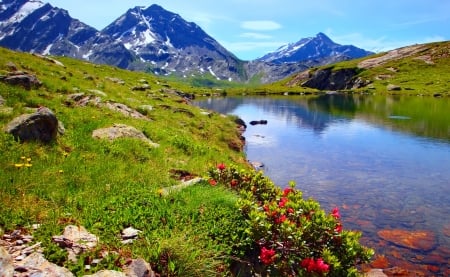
[(416, 240)]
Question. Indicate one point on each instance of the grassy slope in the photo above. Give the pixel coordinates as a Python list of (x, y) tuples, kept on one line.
[(412, 73), (107, 186)]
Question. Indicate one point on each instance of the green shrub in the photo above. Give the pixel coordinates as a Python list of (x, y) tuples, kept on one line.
[(290, 236)]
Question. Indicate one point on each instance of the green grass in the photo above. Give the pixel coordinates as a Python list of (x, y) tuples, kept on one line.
[(108, 186)]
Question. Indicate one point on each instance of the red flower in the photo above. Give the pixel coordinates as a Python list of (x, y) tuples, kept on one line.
[(267, 256), (290, 211), (234, 183), (335, 213), (286, 191), (318, 265), (283, 202), (280, 219), (212, 182), (338, 228), (321, 266), (221, 166)]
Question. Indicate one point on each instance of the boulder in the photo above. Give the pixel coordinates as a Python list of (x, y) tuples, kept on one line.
[(18, 78), (139, 268), (6, 263), (37, 265), (41, 126), (392, 87), (122, 131)]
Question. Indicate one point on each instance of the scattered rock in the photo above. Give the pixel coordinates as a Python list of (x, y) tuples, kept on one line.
[(182, 185), (6, 263), (11, 66), (76, 239), (417, 240), (143, 87), (116, 80), (121, 131), (107, 273), (19, 78), (185, 111), (257, 165), (129, 235), (98, 92), (392, 87), (82, 100), (256, 122), (37, 265), (375, 273), (125, 110), (139, 268), (46, 58), (41, 126)]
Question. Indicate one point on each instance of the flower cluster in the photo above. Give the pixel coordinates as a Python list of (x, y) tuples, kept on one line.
[(312, 265), (293, 236), (26, 162), (267, 256)]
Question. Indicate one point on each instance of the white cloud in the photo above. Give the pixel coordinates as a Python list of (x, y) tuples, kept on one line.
[(261, 25), (255, 36)]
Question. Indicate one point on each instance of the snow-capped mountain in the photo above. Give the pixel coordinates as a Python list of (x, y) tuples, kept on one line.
[(315, 51), (155, 40), (37, 27), (170, 44)]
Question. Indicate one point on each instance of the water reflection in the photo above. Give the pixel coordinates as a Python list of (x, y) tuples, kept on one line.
[(384, 161)]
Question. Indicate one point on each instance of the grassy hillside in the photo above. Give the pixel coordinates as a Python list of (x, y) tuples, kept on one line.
[(416, 70), (107, 186)]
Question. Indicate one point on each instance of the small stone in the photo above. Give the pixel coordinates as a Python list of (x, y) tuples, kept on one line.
[(130, 233), (19, 242)]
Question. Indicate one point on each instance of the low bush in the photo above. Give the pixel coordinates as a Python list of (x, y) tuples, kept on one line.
[(289, 235)]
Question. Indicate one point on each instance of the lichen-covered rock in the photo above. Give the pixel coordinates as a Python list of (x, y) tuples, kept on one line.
[(41, 126), (122, 131)]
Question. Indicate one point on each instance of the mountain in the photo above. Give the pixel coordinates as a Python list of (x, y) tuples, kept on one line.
[(315, 51), (155, 40), (166, 43), (33, 26)]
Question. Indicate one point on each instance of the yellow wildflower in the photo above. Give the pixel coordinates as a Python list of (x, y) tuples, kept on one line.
[(28, 165), (18, 165)]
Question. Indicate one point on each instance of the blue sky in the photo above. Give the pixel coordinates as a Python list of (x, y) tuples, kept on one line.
[(252, 28)]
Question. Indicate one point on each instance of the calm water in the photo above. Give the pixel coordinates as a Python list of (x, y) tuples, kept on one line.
[(384, 161)]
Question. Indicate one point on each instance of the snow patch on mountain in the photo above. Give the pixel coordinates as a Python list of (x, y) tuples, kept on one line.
[(26, 9)]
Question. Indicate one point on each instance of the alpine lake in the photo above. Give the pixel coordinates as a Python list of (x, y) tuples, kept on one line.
[(384, 160)]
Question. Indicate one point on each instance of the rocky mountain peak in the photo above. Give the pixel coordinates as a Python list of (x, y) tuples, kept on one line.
[(319, 49)]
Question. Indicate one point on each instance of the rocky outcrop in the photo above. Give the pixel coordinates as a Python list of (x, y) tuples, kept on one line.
[(122, 131), (329, 79), (40, 126)]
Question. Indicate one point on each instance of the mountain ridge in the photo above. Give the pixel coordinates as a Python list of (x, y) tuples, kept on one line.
[(150, 39)]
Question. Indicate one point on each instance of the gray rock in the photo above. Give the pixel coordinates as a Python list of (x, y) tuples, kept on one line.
[(37, 265), (121, 131), (27, 81), (11, 66), (392, 87), (77, 240), (107, 273), (6, 263), (130, 233), (116, 80), (139, 268), (125, 110), (82, 100), (41, 126)]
